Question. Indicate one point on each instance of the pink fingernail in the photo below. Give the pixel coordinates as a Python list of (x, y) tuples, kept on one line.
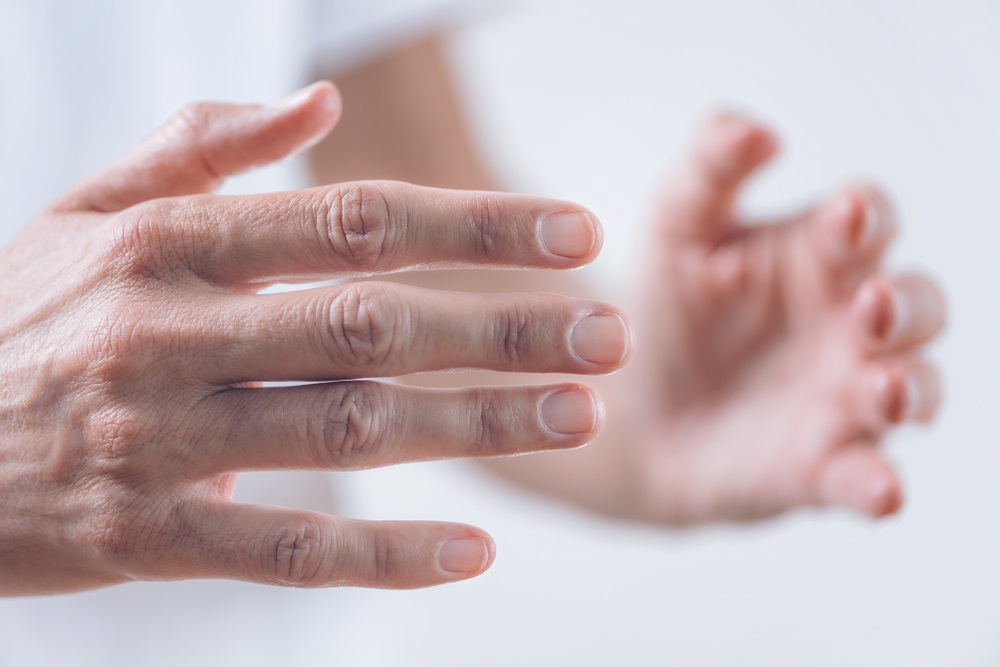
[(601, 339), (569, 234), (875, 225), (569, 412), (902, 313), (463, 556), (297, 98)]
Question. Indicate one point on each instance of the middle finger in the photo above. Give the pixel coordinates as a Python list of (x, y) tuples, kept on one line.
[(379, 329)]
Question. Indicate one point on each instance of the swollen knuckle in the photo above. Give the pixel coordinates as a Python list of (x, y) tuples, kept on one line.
[(297, 553), (365, 326), (350, 430), (194, 119), (512, 335), (116, 433), (355, 222), (120, 335), (490, 229), (140, 241), (489, 423)]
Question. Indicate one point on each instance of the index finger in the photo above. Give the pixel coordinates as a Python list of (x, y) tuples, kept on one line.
[(378, 226)]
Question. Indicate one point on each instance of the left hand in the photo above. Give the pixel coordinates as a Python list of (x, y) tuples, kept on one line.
[(773, 359)]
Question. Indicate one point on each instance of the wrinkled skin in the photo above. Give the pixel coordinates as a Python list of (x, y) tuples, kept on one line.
[(133, 346)]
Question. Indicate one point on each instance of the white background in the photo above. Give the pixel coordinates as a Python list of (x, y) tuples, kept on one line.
[(592, 101)]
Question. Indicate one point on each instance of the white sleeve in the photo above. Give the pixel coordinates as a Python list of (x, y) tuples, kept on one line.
[(351, 31)]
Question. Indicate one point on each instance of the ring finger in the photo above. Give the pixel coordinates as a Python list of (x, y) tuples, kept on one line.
[(354, 425)]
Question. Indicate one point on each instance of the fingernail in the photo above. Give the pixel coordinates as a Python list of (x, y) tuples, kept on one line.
[(569, 412), (923, 394), (874, 225), (914, 397), (600, 339), (569, 234), (902, 312), (296, 98), (465, 555)]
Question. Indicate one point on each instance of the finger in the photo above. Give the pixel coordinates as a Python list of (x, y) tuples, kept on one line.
[(899, 312), (302, 549), (379, 329), (204, 143), (360, 228), (698, 206), (356, 425), (858, 477), (895, 392), (853, 229)]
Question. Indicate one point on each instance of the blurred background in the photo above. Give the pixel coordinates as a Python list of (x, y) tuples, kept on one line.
[(593, 101)]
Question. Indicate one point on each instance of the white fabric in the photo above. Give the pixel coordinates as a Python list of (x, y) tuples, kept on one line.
[(83, 81)]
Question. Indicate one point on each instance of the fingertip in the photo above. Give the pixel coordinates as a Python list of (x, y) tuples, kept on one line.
[(326, 101), (323, 95), (574, 234), (466, 556), (855, 228), (604, 339), (732, 145), (885, 496), (923, 393), (875, 309), (573, 410), (901, 311), (859, 478), (316, 109)]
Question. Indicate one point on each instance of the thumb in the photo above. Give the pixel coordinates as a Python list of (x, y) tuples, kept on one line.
[(202, 144)]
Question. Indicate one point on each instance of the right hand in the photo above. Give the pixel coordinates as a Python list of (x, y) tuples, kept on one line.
[(133, 345)]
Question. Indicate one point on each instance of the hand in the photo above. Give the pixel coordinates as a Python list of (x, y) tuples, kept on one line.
[(772, 359), (133, 344)]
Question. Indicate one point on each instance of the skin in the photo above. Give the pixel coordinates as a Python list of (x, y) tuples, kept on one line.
[(771, 360), (133, 344)]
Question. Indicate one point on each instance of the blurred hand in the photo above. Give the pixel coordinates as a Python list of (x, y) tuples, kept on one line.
[(772, 359), (133, 344)]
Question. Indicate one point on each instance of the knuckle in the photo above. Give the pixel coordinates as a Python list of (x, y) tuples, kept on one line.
[(141, 241), (384, 568), (512, 335), (365, 326), (113, 534), (194, 118), (297, 553), (192, 124), (128, 525), (120, 336), (117, 434), (356, 223), (490, 230), (489, 422), (130, 338), (351, 427)]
